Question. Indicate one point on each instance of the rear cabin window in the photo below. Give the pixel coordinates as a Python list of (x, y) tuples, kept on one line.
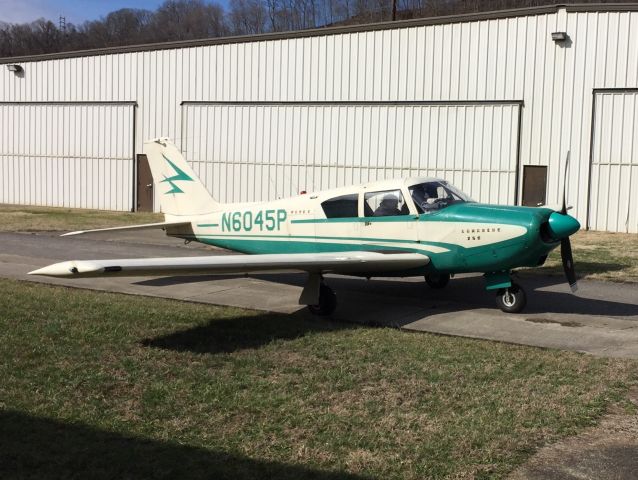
[(341, 207), (387, 203)]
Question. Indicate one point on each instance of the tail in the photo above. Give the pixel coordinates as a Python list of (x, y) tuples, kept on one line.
[(179, 190)]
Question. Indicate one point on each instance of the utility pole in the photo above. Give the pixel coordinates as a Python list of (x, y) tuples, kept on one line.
[(394, 10)]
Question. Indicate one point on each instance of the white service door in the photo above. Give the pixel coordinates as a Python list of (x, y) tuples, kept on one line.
[(614, 169)]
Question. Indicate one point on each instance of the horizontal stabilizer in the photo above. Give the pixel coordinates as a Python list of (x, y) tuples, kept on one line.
[(339, 262), (130, 227)]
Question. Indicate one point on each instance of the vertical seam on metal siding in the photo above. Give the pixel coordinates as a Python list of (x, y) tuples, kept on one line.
[(591, 159)]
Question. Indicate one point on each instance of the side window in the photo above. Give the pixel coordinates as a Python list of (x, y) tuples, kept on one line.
[(384, 204), (341, 207)]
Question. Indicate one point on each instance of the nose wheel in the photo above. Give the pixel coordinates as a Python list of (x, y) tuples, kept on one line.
[(511, 299), (327, 301)]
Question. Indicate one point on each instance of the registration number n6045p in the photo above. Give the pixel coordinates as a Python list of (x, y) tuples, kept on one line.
[(248, 221)]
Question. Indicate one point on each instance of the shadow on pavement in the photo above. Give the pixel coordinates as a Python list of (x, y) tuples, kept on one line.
[(32, 447), (184, 279), (239, 333), (582, 266), (462, 294)]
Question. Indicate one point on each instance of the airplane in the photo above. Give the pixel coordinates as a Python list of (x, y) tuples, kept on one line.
[(400, 228)]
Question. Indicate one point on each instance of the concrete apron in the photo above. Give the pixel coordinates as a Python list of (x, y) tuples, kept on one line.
[(601, 319)]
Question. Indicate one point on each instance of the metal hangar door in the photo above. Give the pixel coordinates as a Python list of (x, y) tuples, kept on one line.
[(251, 151), (67, 154)]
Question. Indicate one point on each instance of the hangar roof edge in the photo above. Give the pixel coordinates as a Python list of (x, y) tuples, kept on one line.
[(323, 31)]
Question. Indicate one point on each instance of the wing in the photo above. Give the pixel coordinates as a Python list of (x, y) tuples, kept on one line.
[(340, 262), (146, 226)]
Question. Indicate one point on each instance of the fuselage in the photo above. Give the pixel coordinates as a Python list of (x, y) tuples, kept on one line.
[(462, 236)]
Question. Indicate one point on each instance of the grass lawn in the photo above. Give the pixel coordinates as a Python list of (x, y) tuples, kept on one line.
[(598, 256), (18, 218), (99, 385)]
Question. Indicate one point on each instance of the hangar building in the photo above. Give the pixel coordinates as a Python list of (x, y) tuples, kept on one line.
[(490, 101)]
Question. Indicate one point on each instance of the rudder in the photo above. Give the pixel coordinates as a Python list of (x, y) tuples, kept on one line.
[(179, 190)]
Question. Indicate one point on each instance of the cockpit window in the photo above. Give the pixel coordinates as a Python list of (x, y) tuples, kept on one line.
[(341, 207), (384, 204), (435, 195)]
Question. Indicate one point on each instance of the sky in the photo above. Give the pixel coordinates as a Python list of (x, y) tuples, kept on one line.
[(75, 11)]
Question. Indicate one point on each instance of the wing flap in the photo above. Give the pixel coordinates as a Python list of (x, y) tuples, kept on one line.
[(340, 262), (145, 226)]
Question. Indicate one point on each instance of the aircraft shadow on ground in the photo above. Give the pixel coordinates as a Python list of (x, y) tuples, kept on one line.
[(462, 294), (32, 447), (185, 279), (242, 332), (543, 301)]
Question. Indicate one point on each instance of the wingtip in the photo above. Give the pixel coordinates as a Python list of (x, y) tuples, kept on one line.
[(39, 271), (62, 269), (68, 234)]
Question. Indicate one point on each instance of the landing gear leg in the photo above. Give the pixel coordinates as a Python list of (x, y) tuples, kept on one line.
[(327, 301), (511, 299), (437, 280)]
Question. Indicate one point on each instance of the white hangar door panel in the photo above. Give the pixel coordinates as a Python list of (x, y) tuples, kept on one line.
[(67, 154), (614, 162), (260, 151)]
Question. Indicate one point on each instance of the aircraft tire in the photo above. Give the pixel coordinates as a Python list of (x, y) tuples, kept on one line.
[(327, 301), (512, 299), (437, 280)]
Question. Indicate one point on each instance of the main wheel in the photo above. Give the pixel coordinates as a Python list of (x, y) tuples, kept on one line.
[(512, 299), (437, 280), (327, 301)]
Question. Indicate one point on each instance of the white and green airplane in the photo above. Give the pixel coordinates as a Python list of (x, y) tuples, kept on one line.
[(407, 227)]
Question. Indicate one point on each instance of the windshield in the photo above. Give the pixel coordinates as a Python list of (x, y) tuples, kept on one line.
[(435, 195)]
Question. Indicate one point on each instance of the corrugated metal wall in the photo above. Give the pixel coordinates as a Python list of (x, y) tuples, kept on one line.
[(67, 155), (264, 151), (498, 59), (614, 167)]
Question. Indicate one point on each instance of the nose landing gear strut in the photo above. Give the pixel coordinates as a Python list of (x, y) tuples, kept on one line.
[(510, 297)]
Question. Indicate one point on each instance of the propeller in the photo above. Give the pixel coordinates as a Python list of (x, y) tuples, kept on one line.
[(565, 244)]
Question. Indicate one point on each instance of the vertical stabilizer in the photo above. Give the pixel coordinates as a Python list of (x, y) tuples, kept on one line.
[(178, 189)]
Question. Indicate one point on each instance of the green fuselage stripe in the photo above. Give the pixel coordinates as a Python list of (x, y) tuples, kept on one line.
[(398, 218), (318, 237)]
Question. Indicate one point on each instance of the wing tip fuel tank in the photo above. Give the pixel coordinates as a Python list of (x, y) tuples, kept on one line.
[(67, 269)]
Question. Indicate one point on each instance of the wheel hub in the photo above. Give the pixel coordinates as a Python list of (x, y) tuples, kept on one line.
[(508, 298)]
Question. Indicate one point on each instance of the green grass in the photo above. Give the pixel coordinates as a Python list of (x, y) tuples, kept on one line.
[(103, 385), (598, 256), (18, 218)]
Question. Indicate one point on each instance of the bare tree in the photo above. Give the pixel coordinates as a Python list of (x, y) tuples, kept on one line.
[(192, 19), (187, 20), (247, 17)]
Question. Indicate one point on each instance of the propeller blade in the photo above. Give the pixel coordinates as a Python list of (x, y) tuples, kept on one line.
[(568, 263), (563, 210)]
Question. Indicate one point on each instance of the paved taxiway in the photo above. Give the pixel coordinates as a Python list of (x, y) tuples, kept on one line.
[(601, 319)]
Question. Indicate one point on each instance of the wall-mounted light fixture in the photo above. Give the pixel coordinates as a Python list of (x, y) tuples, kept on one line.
[(15, 68), (559, 36)]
